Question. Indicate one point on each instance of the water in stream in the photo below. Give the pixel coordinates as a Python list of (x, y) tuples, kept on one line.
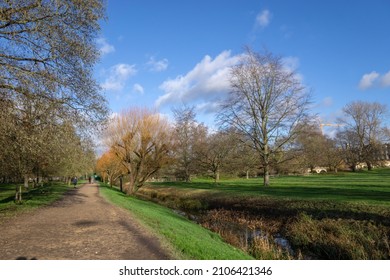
[(246, 235)]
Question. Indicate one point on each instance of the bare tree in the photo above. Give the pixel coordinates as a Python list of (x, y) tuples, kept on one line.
[(184, 140), (141, 140), (311, 145), (212, 152), (363, 132), (265, 104)]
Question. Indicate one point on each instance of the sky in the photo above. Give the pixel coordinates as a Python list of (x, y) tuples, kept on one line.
[(166, 54)]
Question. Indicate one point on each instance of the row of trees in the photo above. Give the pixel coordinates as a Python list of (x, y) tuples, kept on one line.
[(144, 146), (48, 96), (265, 127)]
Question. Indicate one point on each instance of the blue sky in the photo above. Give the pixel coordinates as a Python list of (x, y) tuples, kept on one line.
[(164, 54)]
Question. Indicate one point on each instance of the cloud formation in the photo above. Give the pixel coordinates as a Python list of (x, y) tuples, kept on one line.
[(385, 81), (263, 18), (206, 82), (104, 46), (368, 80), (374, 79), (118, 75), (137, 88), (157, 65)]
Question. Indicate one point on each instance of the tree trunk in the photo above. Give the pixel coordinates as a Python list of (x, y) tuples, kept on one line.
[(266, 175), (131, 189), (247, 174), (369, 165), (25, 184), (18, 194), (216, 176), (121, 183)]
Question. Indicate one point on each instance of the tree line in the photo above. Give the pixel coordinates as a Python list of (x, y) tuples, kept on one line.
[(49, 98), (265, 128)]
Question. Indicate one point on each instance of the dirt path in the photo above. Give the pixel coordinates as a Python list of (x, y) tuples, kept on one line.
[(82, 225)]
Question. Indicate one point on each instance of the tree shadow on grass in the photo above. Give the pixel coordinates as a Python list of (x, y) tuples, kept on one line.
[(7, 199)]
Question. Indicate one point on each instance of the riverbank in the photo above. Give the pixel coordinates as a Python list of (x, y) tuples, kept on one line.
[(339, 216)]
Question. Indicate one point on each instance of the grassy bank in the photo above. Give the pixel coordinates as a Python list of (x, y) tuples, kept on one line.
[(32, 198), (189, 241), (331, 216)]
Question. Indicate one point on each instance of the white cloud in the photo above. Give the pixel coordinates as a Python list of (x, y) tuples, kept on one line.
[(263, 18), (291, 65), (137, 88), (118, 75), (157, 65), (385, 80), (104, 46), (368, 80), (206, 82), (374, 79)]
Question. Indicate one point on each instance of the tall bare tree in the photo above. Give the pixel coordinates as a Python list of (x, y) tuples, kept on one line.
[(266, 102)]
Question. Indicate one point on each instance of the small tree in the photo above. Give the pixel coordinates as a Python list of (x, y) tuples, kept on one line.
[(109, 167), (212, 152), (311, 145), (185, 135), (363, 132)]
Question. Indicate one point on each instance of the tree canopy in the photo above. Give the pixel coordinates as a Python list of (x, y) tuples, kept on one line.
[(47, 55)]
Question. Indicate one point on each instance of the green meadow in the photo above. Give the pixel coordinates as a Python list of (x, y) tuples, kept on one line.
[(365, 187)]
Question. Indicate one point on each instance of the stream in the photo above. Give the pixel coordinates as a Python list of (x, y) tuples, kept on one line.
[(246, 235)]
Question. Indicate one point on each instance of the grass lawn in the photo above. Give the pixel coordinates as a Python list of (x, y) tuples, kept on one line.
[(189, 240), (32, 199), (365, 187)]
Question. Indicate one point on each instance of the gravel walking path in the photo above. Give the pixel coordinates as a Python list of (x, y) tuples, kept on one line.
[(80, 226)]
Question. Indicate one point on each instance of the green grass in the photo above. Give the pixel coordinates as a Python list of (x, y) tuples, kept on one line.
[(32, 199), (371, 188), (187, 239)]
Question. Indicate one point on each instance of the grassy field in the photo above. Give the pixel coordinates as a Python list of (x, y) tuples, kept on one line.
[(32, 198), (188, 240), (327, 216), (364, 187)]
